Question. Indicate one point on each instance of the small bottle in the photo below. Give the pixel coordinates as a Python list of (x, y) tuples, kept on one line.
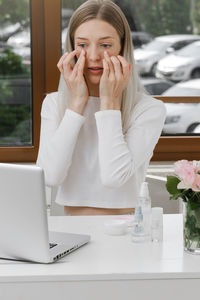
[(145, 203), (157, 224), (138, 235)]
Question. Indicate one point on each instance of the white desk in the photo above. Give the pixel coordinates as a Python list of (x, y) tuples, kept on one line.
[(109, 267)]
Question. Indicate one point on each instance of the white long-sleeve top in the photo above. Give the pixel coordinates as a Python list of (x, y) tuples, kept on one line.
[(88, 156)]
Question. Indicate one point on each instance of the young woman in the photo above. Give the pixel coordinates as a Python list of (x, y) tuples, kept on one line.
[(99, 130)]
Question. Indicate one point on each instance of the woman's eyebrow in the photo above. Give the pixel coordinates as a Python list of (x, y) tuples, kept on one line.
[(102, 38)]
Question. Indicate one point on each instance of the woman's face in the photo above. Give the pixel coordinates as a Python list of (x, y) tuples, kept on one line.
[(95, 36)]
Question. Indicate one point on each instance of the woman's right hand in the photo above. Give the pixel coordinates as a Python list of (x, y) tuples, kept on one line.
[(74, 79)]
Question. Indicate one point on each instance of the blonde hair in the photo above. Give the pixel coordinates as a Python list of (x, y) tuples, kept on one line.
[(112, 14)]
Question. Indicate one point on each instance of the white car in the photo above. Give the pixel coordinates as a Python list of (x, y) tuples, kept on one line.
[(197, 129), (155, 86), (181, 65), (182, 117), (147, 57)]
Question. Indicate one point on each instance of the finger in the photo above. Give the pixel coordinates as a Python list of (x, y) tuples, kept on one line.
[(125, 66), (110, 64), (62, 58), (81, 62), (81, 67), (105, 68), (78, 68), (79, 50), (117, 66), (67, 67), (60, 62)]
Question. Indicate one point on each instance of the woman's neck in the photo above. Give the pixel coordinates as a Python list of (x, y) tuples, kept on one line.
[(93, 90)]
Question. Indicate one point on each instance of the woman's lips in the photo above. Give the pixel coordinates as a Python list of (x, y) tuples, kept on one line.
[(95, 70)]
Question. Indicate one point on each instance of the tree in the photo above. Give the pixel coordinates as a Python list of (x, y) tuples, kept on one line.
[(14, 11), (160, 17), (195, 16)]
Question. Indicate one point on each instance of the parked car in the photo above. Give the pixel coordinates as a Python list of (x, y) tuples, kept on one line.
[(147, 57), (140, 38), (181, 65), (197, 129), (156, 86), (182, 117)]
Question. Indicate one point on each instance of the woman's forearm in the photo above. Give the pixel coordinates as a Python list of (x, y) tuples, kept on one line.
[(57, 146)]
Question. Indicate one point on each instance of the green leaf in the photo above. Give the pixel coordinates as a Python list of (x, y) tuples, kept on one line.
[(171, 186), (193, 205)]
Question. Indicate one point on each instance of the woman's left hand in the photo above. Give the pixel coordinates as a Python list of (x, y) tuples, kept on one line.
[(115, 78)]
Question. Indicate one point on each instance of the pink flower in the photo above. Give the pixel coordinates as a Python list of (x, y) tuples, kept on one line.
[(196, 165), (196, 183), (187, 172)]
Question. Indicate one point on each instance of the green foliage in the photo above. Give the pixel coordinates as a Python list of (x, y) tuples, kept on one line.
[(14, 11), (171, 186), (12, 130), (72, 4), (161, 17), (11, 64), (187, 195), (196, 16), (5, 91), (192, 226), (12, 123), (23, 131)]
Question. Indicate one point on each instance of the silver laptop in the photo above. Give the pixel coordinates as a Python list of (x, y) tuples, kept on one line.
[(23, 218)]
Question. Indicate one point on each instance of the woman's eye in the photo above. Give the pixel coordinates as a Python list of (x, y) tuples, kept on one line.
[(106, 45), (82, 45)]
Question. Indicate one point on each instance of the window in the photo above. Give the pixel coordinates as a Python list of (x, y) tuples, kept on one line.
[(148, 21), (21, 78), (15, 75), (161, 32)]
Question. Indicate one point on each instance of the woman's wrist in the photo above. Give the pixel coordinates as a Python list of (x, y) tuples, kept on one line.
[(108, 104), (78, 108)]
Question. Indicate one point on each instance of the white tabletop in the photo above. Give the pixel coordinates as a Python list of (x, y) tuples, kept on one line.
[(110, 257)]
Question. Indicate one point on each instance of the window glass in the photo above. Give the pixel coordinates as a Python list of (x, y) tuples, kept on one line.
[(15, 74), (166, 40)]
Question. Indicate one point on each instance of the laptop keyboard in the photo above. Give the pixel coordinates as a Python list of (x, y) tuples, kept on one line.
[(51, 245)]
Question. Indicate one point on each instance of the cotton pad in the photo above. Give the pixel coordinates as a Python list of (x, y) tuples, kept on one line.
[(115, 227)]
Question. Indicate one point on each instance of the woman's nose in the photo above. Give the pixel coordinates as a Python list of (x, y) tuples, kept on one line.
[(93, 53)]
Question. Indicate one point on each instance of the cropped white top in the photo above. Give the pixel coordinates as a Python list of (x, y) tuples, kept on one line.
[(88, 157)]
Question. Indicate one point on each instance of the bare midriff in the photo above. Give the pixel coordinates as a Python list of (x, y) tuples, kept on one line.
[(87, 211)]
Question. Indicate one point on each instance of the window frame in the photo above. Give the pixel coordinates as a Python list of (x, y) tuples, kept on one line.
[(46, 51), (29, 153), (170, 148)]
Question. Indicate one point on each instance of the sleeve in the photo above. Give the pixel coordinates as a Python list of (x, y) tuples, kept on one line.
[(120, 156), (57, 140)]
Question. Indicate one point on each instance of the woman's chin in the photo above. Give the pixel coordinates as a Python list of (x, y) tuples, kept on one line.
[(94, 79)]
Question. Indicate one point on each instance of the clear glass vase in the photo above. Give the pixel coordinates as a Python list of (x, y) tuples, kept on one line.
[(191, 228)]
